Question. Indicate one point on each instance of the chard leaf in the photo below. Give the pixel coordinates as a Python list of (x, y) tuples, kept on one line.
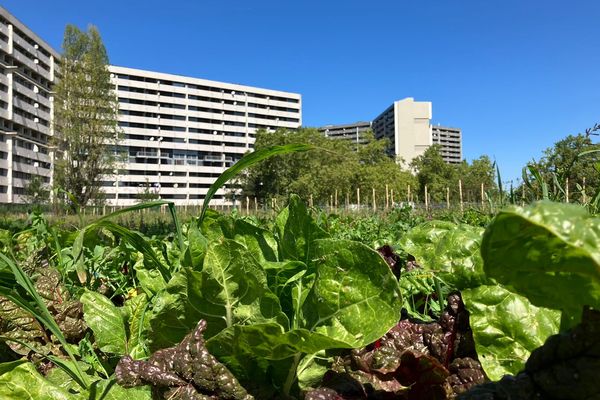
[(196, 250), (548, 252), (451, 250), (506, 328), (21, 381), (106, 321), (355, 298), (260, 242), (269, 341), (231, 289), (296, 231)]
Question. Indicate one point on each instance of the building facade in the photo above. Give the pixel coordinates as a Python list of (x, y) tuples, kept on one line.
[(180, 133), (27, 73), (352, 132), (450, 142), (407, 125)]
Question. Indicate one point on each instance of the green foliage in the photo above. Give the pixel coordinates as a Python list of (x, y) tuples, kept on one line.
[(506, 328), (450, 251), (333, 166), (572, 161), (548, 252), (85, 117), (437, 175)]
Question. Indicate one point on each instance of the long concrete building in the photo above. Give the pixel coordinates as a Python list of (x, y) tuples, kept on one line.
[(351, 132), (27, 73), (181, 133)]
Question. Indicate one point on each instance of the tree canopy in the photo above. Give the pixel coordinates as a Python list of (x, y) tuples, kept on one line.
[(85, 116), (332, 167)]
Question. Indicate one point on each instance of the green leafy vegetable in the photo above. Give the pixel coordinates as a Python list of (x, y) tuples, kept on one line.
[(106, 321), (506, 328), (548, 252), (450, 250)]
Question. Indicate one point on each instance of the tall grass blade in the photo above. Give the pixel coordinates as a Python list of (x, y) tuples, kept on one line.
[(245, 162)]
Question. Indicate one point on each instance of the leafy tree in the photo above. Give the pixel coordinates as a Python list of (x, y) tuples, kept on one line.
[(85, 116), (436, 174), (332, 167), (36, 192), (565, 161)]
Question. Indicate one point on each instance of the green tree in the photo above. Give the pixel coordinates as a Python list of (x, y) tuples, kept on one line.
[(36, 192), (432, 171), (85, 116), (564, 163), (333, 167)]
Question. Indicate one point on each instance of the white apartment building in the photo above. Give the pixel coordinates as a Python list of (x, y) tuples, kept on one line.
[(407, 124), (450, 141), (180, 133), (351, 132), (27, 71)]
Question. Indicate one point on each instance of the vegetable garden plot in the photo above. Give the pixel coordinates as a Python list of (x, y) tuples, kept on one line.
[(227, 309)]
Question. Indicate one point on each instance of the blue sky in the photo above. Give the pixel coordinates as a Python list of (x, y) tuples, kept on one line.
[(516, 76)]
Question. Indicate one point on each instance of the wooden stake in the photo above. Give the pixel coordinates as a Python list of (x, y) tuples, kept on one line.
[(447, 197), (347, 200), (408, 194), (310, 201), (583, 195), (247, 205), (482, 204), (426, 199), (374, 203), (336, 201), (387, 198), (460, 196), (358, 197), (567, 190), (392, 196)]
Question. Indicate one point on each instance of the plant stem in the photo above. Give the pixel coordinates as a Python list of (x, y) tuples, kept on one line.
[(291, 375)]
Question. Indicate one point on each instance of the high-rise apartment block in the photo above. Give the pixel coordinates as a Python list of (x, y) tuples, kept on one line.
[(450, 141), (181, 133), (407, 125), (352, 132), (27, 73)]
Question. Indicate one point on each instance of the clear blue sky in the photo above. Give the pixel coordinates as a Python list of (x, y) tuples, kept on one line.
[(515, 75)]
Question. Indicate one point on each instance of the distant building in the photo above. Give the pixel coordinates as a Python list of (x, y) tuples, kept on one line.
[(351, 132), (407, 125), (450, 141), (181, 133), (27, 72)]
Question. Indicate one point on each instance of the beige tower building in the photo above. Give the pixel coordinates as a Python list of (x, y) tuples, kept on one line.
[(407, 125)]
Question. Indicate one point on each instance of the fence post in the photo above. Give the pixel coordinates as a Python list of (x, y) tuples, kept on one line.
[(408, 194), (460, 195), (392, 196), (447, 197), (374, 203), (567, 189), (247, 205), (310, 200), (347, 200), (426, 199), (358, 197), (482, 204), (336, 201), (387, 198)]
